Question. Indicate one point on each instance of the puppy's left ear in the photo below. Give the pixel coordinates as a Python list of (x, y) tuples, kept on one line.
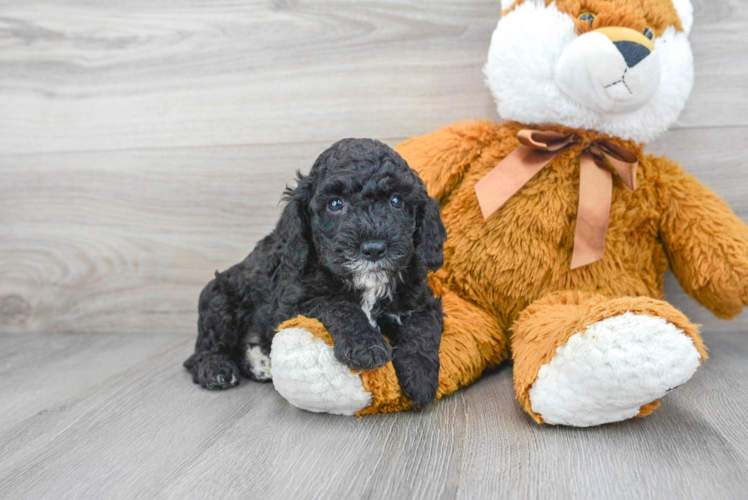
[(430, 236), (293, 229)]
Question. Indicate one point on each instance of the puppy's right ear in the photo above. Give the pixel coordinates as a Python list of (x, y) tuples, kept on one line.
[(430, 235), (293, 229)]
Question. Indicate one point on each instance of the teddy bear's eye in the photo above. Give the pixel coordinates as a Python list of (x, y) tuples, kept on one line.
[(397, 202), (649, 33), (587, 17)]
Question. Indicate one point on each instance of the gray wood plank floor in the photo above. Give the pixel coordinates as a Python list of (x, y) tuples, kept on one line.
[(115, 416), (144, 144)]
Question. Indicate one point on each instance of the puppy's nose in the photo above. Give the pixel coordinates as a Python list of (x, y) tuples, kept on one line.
[(373, 250)]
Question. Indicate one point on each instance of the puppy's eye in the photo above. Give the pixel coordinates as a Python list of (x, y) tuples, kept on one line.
[(335, 205), (587, 17), (397, 202), (649, 33)]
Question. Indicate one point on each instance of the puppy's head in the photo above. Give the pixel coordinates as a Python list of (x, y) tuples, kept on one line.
[(365, 215)]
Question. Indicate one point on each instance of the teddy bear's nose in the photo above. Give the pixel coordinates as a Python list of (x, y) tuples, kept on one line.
[(633, 46), (632, 52)]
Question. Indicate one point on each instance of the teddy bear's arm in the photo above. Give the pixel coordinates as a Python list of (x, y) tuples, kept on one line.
[(441, 158), (706, 243)]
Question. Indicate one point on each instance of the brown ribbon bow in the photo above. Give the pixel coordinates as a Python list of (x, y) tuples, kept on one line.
[(536, 150)]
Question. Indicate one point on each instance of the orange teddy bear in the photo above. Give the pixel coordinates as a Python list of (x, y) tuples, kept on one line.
[(560, 228)]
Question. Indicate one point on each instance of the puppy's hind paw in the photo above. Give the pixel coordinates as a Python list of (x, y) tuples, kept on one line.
[(419, 388), (216, 372), (420, 397), (256, 364)]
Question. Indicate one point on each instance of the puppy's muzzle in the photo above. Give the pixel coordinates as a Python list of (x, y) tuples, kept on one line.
[(373, 250)]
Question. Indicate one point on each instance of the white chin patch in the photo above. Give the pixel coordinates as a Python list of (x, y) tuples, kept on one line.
[(367, 274), (376, 285), (370, 279), (259, 363), (307, 375), (610, 372), (592, 71)]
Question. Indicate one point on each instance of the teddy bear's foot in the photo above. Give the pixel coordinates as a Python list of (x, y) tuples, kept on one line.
[(306, 372), (608, 374), (307, 375), (629, 353)]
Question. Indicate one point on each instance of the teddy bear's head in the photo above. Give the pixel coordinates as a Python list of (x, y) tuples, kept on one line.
[(621, 67)]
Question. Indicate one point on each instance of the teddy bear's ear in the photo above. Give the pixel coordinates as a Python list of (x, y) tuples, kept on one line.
[(685, 13)]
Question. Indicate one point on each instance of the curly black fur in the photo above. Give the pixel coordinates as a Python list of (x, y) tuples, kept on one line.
[(359, 232)]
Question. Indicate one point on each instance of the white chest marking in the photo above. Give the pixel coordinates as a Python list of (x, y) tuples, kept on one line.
[(376, 285), (370, 298)]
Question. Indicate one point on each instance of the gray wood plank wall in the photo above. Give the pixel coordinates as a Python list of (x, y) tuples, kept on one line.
[(144, 144)]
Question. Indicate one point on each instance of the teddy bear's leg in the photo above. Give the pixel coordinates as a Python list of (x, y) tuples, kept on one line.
[(583, 359), (307, 374)]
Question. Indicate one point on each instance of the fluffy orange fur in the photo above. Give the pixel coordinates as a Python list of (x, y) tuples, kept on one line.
[(634, 14), (506, 285)]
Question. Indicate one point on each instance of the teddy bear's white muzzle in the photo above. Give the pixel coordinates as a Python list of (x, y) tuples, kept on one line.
[(608, 77)]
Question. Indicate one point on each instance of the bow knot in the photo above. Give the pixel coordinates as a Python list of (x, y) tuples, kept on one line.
[(599, 158)]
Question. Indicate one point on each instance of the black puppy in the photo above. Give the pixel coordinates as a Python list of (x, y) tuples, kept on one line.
[(352, 249)]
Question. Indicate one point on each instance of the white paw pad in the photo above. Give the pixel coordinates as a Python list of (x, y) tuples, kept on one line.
[(610, 372), (259, 363), (307, 375)]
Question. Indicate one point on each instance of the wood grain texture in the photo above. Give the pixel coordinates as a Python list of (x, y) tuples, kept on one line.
[(115, 416), (80, 75), (110, 224), (139, 74), (123, 241)]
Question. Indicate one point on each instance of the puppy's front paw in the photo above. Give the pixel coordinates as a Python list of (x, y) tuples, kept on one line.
[(215, 372), (364, 352), (419, 383)]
